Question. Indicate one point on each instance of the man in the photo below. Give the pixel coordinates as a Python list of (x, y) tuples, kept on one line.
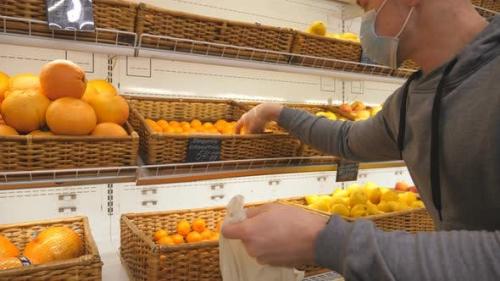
[(444, 123)]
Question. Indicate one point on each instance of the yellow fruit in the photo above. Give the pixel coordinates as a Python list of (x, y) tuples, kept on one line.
[(166, 240), (341, 193), (70, 116), (199, 225), (396, 206), (362, 115), (7, 248), (353, 187), (24, 110), (39, 133), (417, 205), (389, 195), (178, 239), (174, 124), (193, 237), (318, 28), (62, 78), (374, 110), (311, 199), (372, 209), (4, 85), (384, 207), (101, 87), (160, 234), (360, 210), (207, 234), (9, 263), (183, 228), (196, 123), (358, 105), (374, 195), (113, 109), (153, 126), (407, 198), (22, 82), (357, 197), (53, 244), (340, 209), (109, 130), (215, 237), (7, 131)]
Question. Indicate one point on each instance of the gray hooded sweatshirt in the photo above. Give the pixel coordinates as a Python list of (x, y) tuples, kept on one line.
[(467, 243)]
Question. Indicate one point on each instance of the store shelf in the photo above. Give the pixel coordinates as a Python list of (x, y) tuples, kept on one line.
[(176, 173), (329, 276), (229, 55)]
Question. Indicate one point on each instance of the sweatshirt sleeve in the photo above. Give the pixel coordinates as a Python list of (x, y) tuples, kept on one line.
[(369, 140), (359, 251)]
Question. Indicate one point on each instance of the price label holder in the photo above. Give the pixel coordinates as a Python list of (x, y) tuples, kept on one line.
[(70, 15), (347, 171), (203, 150)]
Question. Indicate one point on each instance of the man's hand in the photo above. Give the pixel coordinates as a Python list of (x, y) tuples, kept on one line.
[(278, 235), (255, 120)]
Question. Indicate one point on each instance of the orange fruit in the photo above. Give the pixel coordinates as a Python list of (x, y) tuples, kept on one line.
[(193, 237), (198, 225), (109, 129), (183, 228), (98, 87), (113, 109), (196, 123), (70, 116), (7, 248), (24, 110), (39, 133), (162, 123), (174, 124), (169, 130), (178, 130), (166, 240), (7, 131), (178, 239), (208, 125), (153, 126), (22, 82), (62, 78), (220, 124), (213, 131), (159, 234), (186, 127), (215, 236), (4, 85), (9, 263), (53, 244), (206, 234), (185, 124)]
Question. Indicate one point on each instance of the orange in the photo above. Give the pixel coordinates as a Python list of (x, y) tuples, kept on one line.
[(8, 263), (4, 85), (178, 130), (22, 82), (215, 236), (153, 126), (208, 125), (185, 126), (166, 240), (24, 110), (213, 131), (96, 88), (70, 116), (109, 129), (174, 124), (168, 130), (220, 124), (62, 78), (53, 244), (162, 123), (39, 133), (113, 109), (196, 123), (7, 248), (183, 228), (206, 234), (178, 239), (160, 234), (7, 131), (193, 237), (199, 225)]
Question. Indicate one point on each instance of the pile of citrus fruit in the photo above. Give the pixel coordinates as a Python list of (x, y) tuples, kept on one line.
[(51, 244), (359, 201), (60, 101), (186, 232), (220, 127)]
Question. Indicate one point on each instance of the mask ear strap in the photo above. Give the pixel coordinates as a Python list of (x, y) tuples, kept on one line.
[(381, 6), (406, 22)]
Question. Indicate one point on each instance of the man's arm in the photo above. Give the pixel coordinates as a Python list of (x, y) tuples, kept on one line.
[(360, 251)]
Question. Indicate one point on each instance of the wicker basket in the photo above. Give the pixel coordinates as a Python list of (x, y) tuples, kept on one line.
[(319, 46), (415, 220), (108, 14), (161, 22), (84, 268), (493, 5), (159, 148), (145, 260), (28, 153)]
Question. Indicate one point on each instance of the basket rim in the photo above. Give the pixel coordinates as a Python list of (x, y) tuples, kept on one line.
[(90, 258), (122, 3), (306, 34)]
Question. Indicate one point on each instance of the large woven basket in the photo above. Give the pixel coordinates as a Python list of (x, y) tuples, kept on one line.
[(145, 260), (28, 153), (493, 5), (415, 220), (159, 148), (87, 267), (323, 47), (108, 14), (161, 22)]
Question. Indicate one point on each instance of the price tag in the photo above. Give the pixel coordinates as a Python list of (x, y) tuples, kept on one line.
[(71, 15), (347, 171), (203, 150)]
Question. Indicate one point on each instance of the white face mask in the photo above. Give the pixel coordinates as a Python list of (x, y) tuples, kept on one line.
[(380, 49)]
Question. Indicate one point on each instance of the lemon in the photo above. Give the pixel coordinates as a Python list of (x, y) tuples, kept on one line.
[(374, 110), (408, 198), (360, 210), (389, 195), (374, 195), (340, 193), (395, 206), (322, 114), (372, 209), (417, 204), (357, 197), (318, 28), (384, 207), (322, 204), (334, 36), (331, 116), (340, 209), (311, 199), (353, 187), (336, 200)]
